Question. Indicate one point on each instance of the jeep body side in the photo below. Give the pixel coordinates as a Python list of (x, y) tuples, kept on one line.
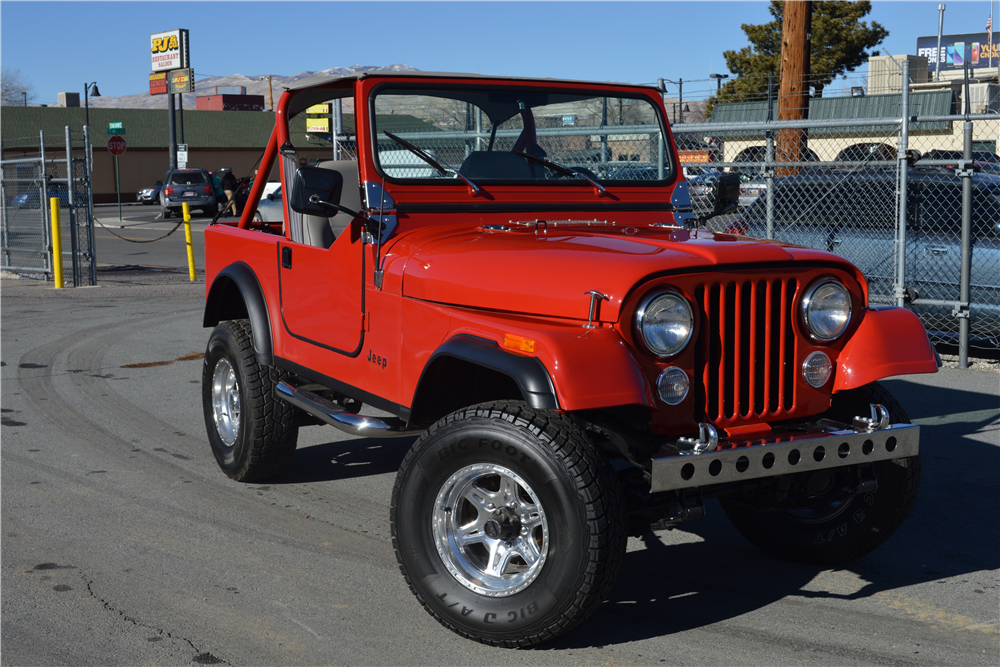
[(511, 269)]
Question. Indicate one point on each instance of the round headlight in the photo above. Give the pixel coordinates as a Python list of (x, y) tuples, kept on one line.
[(826, 310), (665, 323)]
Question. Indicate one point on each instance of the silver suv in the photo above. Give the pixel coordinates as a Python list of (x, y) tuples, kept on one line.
[(193, 186)]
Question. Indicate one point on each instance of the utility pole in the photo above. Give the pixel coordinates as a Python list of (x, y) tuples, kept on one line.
[(793, 95)]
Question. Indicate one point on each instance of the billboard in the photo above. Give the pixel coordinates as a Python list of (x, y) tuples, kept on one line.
[(158, 83), (956, 49), (169, 50), (181, 81), (318, 125)]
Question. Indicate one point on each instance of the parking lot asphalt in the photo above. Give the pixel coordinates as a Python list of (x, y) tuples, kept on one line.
[(123, 543)]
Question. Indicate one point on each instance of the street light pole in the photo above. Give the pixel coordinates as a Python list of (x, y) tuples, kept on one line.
[(718, 81), (680, 87), (86, 97)]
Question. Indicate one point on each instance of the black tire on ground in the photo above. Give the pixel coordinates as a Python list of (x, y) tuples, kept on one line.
[(207, 212), (836, 531), (165, 212), (508, 523), (252, 432)]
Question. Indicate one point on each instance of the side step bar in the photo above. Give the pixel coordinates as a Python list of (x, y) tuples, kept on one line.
[(337, 415)]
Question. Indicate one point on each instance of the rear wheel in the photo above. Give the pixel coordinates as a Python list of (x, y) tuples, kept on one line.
[(252, 432), (508, 523), (819, 520)]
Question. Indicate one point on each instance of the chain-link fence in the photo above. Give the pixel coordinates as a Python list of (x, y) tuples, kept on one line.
[(46, 169), (877, 179)]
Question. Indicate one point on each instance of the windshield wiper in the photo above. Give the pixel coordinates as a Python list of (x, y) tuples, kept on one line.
[(423, 155), (565, 171)]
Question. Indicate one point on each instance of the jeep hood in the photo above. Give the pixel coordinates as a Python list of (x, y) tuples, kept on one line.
[(547, 272)]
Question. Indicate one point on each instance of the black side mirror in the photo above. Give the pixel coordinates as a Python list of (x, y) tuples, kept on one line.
[(314, 189), (727, 191)]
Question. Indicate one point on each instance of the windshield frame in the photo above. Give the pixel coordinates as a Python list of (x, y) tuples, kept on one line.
[(465, 90)]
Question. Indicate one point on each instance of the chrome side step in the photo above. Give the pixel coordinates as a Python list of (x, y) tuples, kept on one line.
[(337, 415)]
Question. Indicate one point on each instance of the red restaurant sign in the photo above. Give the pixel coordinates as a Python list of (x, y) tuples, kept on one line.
[(158, 83)]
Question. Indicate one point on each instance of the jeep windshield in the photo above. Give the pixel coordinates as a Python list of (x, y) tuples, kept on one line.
[(519, 134)]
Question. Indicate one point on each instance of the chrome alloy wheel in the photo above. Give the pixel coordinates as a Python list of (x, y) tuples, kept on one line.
[(226, 402), (490, 530)]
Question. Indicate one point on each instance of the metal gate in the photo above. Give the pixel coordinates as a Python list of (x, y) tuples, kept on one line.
[(27, 185)]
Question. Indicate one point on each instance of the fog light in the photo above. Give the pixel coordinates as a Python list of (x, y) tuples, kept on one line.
[(672, 385), (817, 369)]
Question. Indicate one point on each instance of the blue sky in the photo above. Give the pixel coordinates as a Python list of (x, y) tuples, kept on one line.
[(58, 46)]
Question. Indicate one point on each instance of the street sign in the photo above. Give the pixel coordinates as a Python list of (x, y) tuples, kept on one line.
[(116, 145), (182, 147), (182, 156), (115, 131), (116, 126)]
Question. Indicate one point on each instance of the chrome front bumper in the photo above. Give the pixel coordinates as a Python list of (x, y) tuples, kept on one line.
[(821, 446)]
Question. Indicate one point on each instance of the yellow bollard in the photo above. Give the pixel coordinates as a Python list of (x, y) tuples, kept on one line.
[(187, 235), (57, 273)]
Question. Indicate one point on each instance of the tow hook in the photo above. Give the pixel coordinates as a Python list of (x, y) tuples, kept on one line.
[(879, 420), (707, 440)]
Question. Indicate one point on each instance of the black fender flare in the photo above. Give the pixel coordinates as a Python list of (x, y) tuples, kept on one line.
[(242, 277), (529, 373)]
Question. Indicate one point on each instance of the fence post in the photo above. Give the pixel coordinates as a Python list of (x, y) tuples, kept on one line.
[(72, 209), (45, 192), (903, 167), (965, 291), (769, 168), (88, 177)]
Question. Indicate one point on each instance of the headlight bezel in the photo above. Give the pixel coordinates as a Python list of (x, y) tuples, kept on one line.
[(808, 318), (642, 313)]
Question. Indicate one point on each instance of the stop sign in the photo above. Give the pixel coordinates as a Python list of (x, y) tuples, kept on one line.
[(116, 145)]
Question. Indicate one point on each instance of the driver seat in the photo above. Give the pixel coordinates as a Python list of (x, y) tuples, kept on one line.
[(321, 232)]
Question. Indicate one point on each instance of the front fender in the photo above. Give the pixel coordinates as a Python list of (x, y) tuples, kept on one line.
[(890, 341), (235, 294)]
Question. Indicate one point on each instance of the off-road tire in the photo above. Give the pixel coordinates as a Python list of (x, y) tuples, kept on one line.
[(253, 433), (842, 531), (567, 478)]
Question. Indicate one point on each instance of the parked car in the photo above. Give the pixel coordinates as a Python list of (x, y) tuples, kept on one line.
[(150, 195), (32, 198), (193, 186), (855, 216), (270, 208), (702, 189)]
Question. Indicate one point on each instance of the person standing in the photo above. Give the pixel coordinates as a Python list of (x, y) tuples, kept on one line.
[(229, 187)]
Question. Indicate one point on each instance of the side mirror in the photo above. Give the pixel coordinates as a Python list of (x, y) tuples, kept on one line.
[(727, 191), (314, 189)]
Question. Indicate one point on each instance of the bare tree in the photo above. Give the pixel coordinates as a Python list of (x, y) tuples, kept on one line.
[(15, 88)]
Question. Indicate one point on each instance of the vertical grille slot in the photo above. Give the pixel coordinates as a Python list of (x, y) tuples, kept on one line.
[(746, 349)]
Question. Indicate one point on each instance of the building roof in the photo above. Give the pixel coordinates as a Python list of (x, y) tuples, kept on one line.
[(926, 103), (148, 128)]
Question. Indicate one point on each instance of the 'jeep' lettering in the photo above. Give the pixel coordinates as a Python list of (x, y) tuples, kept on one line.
[(378, 359)]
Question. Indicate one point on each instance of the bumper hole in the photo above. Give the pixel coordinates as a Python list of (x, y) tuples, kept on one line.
[(844, 451), (868, 447), (742, 464), (767, 461), (715, 468), (687, 472), (890, 444), (794, 456), (819, 454)]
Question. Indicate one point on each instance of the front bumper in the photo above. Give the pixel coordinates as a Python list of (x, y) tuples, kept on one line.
[(815, 447)]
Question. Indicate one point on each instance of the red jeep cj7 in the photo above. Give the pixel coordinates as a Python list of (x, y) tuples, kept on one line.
[(512, 270)]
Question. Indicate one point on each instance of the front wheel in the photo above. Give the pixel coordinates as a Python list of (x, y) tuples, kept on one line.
[(819, 520), (252, 432), (508, 524)]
